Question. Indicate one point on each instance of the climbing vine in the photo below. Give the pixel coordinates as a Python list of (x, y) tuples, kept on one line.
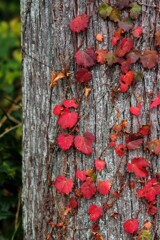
[(126, 54)]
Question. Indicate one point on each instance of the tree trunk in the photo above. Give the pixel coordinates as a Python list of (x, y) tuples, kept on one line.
[(49, 45)]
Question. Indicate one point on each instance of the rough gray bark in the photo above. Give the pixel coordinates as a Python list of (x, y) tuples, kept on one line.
[(47, 45)]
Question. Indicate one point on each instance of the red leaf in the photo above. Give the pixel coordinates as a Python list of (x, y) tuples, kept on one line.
[(154, 146), (101, 56), (125, 65), (149, 59), (138, 166), (126, 80), (155, 102), (120, 149), (86, 58), (137, 32), (81, 175), (58, 109), (114, 41), (151, 209), (131, 225), (68, 120), (95, 212), (103, 187), (70, 103), (150, 190), (83, 75), (84, 143), (124, 47), (63, 185), (65, 141), (73, 202), (134, 141), (136, 110), (144, 130), (88, 189), (79, 23), (99, 164)]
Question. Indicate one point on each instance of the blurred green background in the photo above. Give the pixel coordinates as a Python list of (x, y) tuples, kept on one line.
[(10, 121)]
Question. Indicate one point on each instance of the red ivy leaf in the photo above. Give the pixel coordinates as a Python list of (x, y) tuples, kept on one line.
[(70, 103), (101, 56), (144, 130), (81, 175), (120, 150), (137, 32), (95, 212), (134, 141), (73, 202), (84, 143), (88, 189), (126, 80), (149, 59), (63, 185), (58, 109), (103, 187), (131, 225), (125, 65), (65, 141), (124, 47), (136, 110), (150, 190), (79, 23), (68, 120), (138, 166), (99, 164), (86, 58), (154, 146), (155, 102), (151, 209), (83, 75)]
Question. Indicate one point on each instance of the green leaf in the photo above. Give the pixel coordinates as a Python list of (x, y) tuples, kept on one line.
[(104, 10), (145, 235), (115, 15), (135, 10)]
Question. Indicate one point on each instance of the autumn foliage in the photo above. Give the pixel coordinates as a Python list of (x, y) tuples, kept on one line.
[(123, 55)]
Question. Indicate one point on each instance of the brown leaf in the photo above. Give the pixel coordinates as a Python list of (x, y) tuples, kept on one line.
[(55, 79)]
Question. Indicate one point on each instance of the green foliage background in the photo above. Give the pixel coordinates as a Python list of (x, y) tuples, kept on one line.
[(10, 121)]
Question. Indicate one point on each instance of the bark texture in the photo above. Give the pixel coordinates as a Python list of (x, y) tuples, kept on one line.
[(48, 45)]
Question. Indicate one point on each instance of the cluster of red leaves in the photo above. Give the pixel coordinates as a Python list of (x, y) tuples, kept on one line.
[(125, 54), (66, 118), (150, 190)]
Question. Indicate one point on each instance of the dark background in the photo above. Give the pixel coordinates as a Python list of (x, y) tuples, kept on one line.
[(10, 121)]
